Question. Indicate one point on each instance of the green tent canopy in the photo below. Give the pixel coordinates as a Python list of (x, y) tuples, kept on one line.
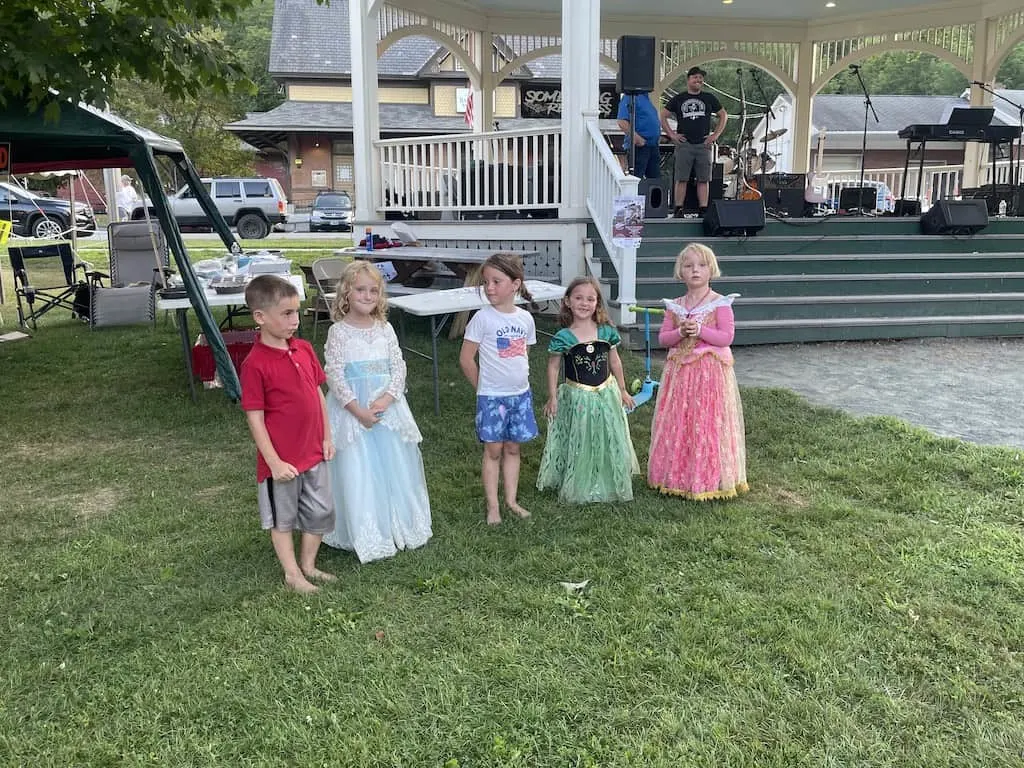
[(85, 137)]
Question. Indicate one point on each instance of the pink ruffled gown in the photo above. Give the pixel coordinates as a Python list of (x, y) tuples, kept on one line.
[(697, 444)]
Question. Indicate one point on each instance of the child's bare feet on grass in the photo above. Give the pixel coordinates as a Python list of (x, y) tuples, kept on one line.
[(315, 574), (493, 515), (517, 510), (300, 584)]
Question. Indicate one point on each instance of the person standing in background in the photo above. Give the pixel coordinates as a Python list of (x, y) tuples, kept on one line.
[(693, 137), (644, 135)]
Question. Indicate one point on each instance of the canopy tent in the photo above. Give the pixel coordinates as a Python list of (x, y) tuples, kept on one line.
[(86, 137)]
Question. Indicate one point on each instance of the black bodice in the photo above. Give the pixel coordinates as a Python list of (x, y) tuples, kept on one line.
[(587, 363)]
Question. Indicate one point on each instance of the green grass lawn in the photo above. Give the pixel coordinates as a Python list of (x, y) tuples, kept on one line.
[(862, 606)]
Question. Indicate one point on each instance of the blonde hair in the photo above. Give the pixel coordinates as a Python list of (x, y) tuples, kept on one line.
[(565, 316), (341, 307), (706, 255)]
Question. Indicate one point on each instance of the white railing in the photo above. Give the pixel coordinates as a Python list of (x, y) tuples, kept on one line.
[(937, 183), (497, 171), (607, 181)]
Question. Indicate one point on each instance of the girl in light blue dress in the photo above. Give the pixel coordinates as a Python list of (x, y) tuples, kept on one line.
[(380, 492)]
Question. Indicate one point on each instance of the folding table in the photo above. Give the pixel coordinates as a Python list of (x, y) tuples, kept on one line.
[(439, 306)]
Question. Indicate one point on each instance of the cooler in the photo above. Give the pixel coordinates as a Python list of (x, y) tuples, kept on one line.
[(239, 343)]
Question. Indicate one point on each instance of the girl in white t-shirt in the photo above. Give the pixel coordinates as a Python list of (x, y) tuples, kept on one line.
[(501, 334)]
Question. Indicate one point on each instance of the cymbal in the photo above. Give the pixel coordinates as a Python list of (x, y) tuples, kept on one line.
[(772, 135)]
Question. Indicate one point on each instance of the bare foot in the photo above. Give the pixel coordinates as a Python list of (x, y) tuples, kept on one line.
[(300, 584), (493, 515), (517, 510), (315, 574)]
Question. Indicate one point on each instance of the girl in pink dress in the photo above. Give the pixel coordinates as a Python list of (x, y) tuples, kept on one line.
[(697, 443)]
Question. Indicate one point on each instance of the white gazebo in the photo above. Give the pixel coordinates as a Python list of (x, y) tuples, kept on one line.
[(802, 43)]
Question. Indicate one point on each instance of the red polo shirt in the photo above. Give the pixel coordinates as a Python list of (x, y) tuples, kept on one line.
[(285, 385)]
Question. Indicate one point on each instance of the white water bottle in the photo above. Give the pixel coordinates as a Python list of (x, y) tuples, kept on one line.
[(1002, 207)]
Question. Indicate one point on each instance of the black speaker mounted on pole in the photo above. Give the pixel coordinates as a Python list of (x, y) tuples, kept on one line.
[(636, 65), (734, 218), (955, 217), (657, 201)]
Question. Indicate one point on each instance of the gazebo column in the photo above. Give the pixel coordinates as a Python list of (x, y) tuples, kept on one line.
[(481, 47), (581, 40), (362, 24), (803, 102), (976, 152)]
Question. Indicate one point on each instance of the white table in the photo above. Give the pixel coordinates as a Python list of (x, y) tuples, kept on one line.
[(439, 306), (213, 299), (409, 259)]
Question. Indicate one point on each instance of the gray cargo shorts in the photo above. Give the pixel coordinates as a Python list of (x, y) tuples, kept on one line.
[(303, 504), (689, 156)]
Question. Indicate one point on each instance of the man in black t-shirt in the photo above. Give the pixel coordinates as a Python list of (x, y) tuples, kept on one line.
[(693, 137)]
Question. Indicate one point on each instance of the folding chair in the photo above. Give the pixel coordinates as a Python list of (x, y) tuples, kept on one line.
[(139, 262), (56, 283), (327, 274)]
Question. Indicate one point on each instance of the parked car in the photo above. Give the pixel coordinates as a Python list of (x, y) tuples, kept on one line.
[(331, 211), (251, 206), (33, 215)]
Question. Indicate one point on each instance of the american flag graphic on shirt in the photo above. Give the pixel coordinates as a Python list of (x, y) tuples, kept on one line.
[(511, 347)]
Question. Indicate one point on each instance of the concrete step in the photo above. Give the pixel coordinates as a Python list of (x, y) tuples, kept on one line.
[(760, 286)]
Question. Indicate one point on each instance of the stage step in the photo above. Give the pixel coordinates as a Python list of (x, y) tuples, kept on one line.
[(845, 279)]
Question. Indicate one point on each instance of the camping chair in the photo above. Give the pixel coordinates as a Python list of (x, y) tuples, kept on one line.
[(57, 283), (327, 274), (139, 262)]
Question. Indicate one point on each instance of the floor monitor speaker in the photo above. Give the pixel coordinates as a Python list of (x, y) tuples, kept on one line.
[(955, 217), (657, 200), (731, 218), (636, 65), (857, 198)]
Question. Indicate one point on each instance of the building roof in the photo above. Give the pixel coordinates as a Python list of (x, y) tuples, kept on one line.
[(267, 129), (313, 41)]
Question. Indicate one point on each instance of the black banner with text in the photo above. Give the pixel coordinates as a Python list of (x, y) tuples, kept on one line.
[(537, 100)]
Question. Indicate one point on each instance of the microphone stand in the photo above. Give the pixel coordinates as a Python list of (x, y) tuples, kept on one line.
[(864, 141), (739, 162), (768, 115), (1016, 177)]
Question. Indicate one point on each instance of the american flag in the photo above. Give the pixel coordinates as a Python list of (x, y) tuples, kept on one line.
[(511, 347), (469, 109)]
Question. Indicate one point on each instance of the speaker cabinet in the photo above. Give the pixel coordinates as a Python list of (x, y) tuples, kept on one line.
[(636, 65), (955, 217), (657, 200), (716, 189), (785, 201), (732, 218), (851, 198), (907, 208)]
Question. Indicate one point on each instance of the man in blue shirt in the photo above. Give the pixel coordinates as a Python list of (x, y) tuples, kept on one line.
[(645, 134)]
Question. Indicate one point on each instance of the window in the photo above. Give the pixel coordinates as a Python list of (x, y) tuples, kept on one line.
[(259, 188), (228, 189)]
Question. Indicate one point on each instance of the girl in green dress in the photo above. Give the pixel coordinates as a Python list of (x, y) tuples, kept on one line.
[(588, 456)]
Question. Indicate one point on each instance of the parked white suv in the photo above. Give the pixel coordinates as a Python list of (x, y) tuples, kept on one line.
[(252, 206)]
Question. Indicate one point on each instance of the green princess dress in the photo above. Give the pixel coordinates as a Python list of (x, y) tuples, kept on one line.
[(588, 455)]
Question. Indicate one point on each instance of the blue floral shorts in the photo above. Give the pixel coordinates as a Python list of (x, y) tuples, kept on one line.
[(505, 418)]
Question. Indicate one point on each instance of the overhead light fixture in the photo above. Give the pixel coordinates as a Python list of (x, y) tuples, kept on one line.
[(830, 4), (726, 2)]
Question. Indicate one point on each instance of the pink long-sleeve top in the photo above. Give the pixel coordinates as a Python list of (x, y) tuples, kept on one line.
[(717, 327)]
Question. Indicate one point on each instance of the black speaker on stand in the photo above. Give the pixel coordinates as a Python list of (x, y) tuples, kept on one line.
[(734, 218), (955, 217), (636, 65), (657, 201)]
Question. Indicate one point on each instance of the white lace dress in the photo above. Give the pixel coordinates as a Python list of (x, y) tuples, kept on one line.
[(380, 492)]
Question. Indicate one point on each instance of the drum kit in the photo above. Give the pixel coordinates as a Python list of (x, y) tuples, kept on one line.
[(751, 164)]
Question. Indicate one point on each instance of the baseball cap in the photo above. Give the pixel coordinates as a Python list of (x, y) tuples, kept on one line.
[(696, 71)]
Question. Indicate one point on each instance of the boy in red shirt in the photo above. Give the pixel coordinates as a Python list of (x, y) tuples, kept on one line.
[(287, 415)]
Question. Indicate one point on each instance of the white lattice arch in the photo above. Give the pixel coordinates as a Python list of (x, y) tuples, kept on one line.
[(540, 53), (454, 47), (997, 58), (962, 66), (784, 79)]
